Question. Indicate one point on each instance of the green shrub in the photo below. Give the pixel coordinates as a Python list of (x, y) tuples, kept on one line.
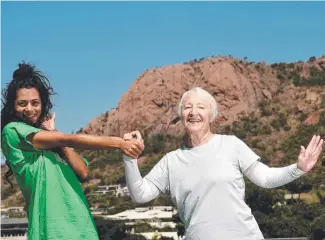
[(265, 109)]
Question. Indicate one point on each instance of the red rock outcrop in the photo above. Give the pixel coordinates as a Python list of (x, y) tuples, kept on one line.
[(150, 105)]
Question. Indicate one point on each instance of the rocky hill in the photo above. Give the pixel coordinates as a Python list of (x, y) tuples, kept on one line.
[(237, 85), (268, 106)]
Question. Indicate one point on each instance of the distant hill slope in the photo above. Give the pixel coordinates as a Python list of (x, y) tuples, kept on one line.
[(273, 108)]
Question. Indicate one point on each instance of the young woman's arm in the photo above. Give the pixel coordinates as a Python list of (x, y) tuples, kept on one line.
[(76, 163), (74, 160), (49, 139)]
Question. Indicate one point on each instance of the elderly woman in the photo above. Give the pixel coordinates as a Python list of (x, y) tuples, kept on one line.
[(205, 177)]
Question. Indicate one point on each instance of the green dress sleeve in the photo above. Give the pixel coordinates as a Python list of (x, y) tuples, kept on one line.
[(86, 162), (15, 141)]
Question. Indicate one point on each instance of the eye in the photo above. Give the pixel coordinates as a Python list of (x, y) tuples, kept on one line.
[(36, 103), (22, 103)]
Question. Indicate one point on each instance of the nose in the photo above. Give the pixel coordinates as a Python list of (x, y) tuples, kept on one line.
[(28, 108), (193, 110)]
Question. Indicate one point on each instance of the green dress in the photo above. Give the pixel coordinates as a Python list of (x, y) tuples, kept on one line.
[(56, 205)]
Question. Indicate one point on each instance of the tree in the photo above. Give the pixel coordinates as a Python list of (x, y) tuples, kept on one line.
[(109, 230), (261, 199), (179, 225), (300, 185), (312, 59)]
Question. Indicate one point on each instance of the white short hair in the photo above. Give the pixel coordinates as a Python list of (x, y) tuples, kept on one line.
[(213, 103)]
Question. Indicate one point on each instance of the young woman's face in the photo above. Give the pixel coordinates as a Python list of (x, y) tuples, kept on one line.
[(28, 105)]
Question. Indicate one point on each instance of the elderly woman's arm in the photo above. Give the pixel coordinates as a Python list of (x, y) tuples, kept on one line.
[(142, 190), (145, 189), (267, 177), (259, 173)]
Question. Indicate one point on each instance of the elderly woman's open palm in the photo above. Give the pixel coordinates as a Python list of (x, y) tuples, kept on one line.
[(309, 156)]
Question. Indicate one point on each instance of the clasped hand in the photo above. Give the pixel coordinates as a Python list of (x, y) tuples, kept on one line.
[(134, 136)]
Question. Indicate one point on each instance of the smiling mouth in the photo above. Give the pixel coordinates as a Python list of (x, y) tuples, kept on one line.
[(29, 118), (194, 121)]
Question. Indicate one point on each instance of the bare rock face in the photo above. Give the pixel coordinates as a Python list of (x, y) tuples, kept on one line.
[(151, 103), (314, 117)]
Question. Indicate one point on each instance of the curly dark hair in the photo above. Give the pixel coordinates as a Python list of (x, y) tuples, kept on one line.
[(26, 76)]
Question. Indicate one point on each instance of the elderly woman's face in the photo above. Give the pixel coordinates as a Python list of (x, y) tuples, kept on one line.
[(196, 112)]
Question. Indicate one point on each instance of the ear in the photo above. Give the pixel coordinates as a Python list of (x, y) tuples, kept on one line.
[(212, 118)]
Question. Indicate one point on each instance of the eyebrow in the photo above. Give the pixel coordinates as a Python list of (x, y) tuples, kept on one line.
[(24, 100), (200, 103)]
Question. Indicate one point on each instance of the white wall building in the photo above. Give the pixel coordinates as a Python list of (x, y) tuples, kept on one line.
[(5, 212), (116, 189), (157, 217), (146, 213)]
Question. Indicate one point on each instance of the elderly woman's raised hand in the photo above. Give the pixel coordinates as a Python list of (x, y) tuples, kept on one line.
[(309, 156)]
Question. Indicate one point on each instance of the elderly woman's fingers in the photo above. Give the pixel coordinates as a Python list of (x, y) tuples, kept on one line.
[(136, 134), (127, 136)]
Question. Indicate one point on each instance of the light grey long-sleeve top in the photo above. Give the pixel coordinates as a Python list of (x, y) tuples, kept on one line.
[(206, 184)]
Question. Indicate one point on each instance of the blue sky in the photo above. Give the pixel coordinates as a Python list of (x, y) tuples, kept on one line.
[(93, 51)]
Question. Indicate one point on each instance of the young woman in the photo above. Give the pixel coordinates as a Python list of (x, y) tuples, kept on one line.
[(47, 170)]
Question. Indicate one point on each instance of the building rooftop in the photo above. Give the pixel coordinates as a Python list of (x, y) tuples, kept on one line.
[(143, 214), (5, 221)]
